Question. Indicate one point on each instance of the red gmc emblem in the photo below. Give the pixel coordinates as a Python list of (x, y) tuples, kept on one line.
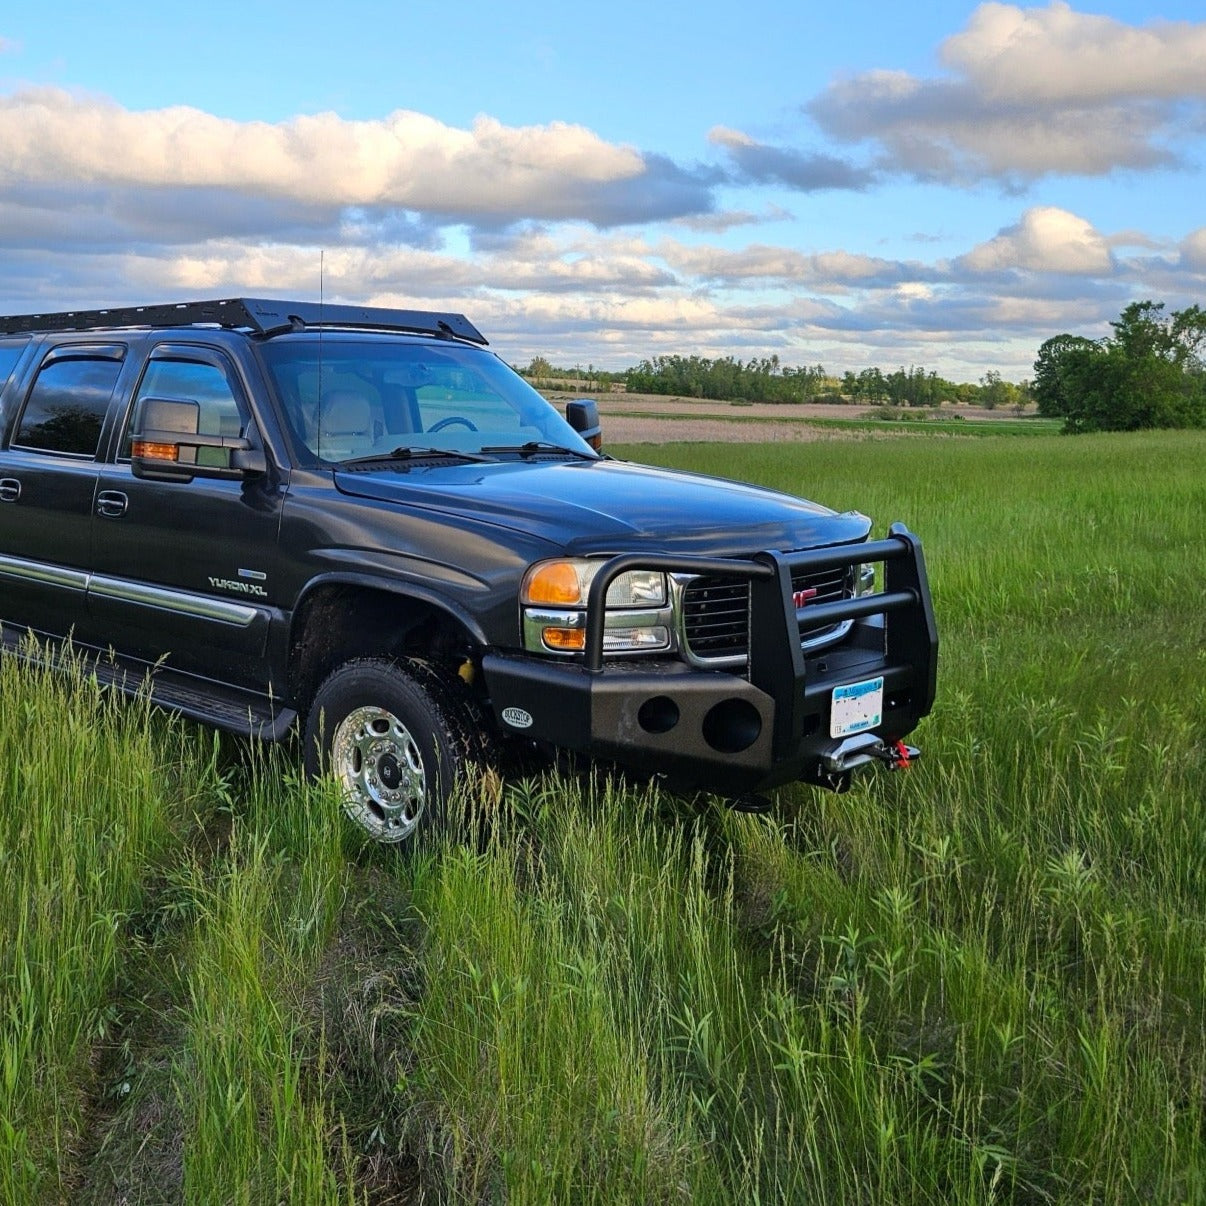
[(800, 597)]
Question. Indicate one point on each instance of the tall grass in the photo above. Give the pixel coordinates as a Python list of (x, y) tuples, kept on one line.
[(980, 980), (121, 921), (977, 981), (249, 1072), (93, 793), (537, 1089), (227, 1056), (887, 999)]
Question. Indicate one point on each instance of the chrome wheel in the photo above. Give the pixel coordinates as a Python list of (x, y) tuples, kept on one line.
[(395, 737), (378, 761)]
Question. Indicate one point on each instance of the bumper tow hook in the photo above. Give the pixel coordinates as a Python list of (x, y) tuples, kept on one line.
[(899, 756)]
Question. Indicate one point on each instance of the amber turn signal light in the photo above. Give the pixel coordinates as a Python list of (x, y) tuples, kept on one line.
[(564, 638), (153, 452)]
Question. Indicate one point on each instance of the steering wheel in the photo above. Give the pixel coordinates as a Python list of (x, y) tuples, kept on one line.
[(448, 421)]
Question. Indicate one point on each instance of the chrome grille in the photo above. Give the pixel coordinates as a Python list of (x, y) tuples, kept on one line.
[(716, 611), (716, 617)]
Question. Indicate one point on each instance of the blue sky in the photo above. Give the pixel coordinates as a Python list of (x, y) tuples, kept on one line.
[(854, 185)]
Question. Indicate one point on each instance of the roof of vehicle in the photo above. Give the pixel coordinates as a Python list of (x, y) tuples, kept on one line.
[(258, 315)]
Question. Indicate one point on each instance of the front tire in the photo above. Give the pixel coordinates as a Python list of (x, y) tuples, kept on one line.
[(393, 738)]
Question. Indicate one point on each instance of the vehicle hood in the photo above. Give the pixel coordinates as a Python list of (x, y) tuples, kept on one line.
[(609, 506)]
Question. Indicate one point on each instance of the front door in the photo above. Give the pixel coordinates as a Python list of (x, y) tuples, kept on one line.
[(184, 571)]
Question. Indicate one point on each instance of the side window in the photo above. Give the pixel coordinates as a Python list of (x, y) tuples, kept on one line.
[(194, 381), (67, 405), (10, 353)]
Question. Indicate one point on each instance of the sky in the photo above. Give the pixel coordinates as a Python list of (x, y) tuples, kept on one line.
[(854, 185)]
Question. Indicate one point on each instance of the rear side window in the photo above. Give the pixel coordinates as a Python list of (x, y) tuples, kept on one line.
[(67, 405)]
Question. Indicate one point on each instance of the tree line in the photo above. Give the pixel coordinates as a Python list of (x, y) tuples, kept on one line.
[(767, 380), (757, 380)]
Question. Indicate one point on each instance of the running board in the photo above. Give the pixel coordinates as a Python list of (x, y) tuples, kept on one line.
[(243, 712)]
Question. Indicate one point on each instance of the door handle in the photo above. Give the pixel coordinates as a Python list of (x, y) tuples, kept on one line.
[(111, 504), (10, 489)]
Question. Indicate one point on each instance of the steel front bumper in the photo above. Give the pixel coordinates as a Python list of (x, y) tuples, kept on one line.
[(735, 733)]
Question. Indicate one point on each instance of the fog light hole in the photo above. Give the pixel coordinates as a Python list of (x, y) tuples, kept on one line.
[(732, 725), (659, 714)]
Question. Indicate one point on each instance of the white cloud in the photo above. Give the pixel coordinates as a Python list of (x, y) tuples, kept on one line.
[(823, 271), (386, 275), (405, 161), (1032, 92), (1057, 54), (724, 136), (614, 297), (1047, 239), (1134, 238), (725, 220)]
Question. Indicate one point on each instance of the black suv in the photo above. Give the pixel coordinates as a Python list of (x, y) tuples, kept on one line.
[(361, 524)]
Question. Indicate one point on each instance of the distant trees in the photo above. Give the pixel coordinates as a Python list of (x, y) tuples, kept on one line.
[(867, 386), (914, 387), (766, 379), (996, 392), (588, 379), (758, 380), (1149, 373)]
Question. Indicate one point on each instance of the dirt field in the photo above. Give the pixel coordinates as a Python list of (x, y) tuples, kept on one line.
[(658, 419)]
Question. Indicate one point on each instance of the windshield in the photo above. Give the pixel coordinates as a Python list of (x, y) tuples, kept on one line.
[(351, 397)]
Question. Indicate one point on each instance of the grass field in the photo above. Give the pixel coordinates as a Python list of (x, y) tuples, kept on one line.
[(978, 981)]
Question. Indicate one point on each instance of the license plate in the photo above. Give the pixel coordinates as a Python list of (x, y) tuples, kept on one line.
[(856, 708)]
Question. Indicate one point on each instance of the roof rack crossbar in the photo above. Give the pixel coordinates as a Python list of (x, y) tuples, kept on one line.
[(266, 317)]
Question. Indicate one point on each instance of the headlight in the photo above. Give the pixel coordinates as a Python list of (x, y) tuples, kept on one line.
[(567, 584), (554, 597)]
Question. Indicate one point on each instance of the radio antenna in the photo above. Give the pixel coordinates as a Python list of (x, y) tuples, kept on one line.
[(318, 401)]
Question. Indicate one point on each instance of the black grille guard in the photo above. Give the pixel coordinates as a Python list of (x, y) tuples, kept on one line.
[(776, 662)]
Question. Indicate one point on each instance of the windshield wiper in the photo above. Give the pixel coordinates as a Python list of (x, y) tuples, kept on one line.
[(407, 452), (532, 447)]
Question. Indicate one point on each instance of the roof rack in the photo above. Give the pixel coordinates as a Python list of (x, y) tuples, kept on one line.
[(247, 313)]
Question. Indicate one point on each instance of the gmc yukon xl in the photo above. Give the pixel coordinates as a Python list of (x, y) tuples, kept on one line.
[(361, 526)]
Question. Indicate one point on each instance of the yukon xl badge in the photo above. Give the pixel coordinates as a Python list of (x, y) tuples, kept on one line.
[(242, 588), (517, 718)]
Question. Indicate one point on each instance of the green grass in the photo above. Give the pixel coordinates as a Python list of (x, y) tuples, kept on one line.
[(94, 796), (977, 981)]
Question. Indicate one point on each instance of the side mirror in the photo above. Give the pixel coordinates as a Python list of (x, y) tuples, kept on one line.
[(583, 416), (165, 445)]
